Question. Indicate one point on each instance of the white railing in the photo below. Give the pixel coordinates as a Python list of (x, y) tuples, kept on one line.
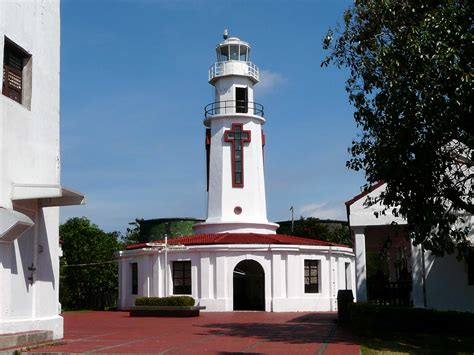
[(235, 67)]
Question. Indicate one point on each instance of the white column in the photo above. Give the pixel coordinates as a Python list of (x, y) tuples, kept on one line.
[(119, 300), (221, 277), (205, 276), (332, 280), (360, 263), (276, 278)]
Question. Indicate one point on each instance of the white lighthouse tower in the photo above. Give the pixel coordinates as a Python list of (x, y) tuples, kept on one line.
[(234, 146)]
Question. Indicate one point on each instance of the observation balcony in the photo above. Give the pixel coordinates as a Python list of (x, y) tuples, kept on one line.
[(233, 106), (233, 67)]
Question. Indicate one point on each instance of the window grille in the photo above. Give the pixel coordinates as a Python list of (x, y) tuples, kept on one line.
[(182, 277), (311, 276)]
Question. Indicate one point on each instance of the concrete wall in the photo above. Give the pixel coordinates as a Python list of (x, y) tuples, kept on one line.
[(212, 275), (446, 277), (446, 282), (29, 154)]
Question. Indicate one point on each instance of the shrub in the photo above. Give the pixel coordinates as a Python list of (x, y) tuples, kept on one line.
[(367, 318), (165, 301)]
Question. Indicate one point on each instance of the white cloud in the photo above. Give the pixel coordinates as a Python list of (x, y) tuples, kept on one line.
[(268, 81), (324, 210)]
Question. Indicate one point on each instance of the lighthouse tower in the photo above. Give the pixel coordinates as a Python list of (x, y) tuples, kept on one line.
[(234, 146)]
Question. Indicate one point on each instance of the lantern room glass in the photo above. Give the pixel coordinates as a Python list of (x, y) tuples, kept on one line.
[(243, 53), (233, 52), (223, 54)]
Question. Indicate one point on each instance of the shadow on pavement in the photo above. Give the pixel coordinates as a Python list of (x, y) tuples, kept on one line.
[(309, 328)]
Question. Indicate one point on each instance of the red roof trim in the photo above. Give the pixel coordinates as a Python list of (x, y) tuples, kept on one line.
[(365, 193), (240, 238)]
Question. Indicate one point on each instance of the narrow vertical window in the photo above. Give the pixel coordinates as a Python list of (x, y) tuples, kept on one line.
[(182, 277), (134, 269), (14, 61), (237, 136), (311, 276), (241, 100)]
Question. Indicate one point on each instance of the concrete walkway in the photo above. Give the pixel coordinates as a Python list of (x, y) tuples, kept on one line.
[(211, 333)]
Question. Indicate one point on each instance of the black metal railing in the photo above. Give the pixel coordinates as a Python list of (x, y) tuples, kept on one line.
[(390, 293), (233, 106)]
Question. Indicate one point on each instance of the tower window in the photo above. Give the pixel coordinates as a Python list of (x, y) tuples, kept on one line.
[(237, 136), (182, 277), (241, 100), (16, 82), (311, 276)]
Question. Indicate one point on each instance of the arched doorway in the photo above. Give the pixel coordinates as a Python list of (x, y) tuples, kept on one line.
[(249, 286)]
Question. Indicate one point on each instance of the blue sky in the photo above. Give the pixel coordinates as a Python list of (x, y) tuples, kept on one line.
[(133, 88)]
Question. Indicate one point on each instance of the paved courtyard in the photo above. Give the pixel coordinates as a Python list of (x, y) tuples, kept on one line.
[(211, 333)]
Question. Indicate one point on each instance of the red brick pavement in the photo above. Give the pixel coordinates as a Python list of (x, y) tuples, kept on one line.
[(211, 333)]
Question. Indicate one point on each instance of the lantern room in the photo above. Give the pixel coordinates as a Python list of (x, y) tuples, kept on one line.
[(233, 58), (233, 49)]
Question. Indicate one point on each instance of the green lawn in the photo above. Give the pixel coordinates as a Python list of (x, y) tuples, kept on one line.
[(414, 343)]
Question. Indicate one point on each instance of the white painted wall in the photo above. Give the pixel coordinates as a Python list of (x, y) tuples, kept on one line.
[(29, 154), (446, 277), (362, 215), (446, 282), (212, 274)]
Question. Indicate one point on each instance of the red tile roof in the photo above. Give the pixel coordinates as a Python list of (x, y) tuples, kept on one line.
[(239, 238), (365, 193)]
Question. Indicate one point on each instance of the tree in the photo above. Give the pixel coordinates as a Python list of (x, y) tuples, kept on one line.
[(132, 236), (89, 275), (410, 81), (314, 228)]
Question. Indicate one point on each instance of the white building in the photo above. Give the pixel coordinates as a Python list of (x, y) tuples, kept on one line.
[(443, 283), (30, 189), (235, 260)]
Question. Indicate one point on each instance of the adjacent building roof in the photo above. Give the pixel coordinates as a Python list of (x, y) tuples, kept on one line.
[(239, 238), (365, 193)]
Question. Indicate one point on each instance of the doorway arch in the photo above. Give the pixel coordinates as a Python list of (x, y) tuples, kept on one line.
[(249, 286)]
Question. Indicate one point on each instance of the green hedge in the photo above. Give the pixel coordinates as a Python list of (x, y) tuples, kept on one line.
[(367, 318), (165, 301)]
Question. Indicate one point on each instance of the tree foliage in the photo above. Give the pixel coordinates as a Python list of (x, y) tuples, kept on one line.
[(314, 228), (411, 81), (132, 235), (89, 274)]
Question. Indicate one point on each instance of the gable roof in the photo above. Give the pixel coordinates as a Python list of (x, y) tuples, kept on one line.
[(364, 193), (239, 238)]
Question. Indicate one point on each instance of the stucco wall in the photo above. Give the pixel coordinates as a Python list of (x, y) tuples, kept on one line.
[(212, 275), (446, 283), (29, 154)]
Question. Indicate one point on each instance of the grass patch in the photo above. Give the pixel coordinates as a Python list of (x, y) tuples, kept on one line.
[(415, 343)]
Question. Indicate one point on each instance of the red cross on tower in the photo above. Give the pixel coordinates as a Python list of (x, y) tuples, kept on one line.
[(237, 136)]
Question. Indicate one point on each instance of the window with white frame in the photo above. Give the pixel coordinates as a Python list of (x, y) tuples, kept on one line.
[(182, 277), (311, 276)]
